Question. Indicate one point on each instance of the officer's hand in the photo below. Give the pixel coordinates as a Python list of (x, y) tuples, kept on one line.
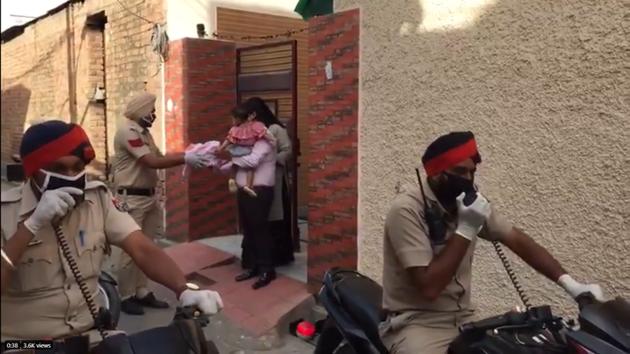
[(470, 219), (196, 159), (53, 204), (208, 301), (575, 288)]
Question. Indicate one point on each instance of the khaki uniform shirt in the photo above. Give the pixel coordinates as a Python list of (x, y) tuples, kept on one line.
[(407, 245), (130, 144), (43, 299)]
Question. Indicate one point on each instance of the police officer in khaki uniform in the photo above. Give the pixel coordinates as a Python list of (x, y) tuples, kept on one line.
[(135, 178), (40, 295), (430, 236)]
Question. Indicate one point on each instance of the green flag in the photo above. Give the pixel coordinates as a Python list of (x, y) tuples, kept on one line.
[(311, 8)]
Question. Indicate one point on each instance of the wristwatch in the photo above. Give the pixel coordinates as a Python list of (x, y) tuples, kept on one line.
[(192, 286), (10, 264), (187, 286)]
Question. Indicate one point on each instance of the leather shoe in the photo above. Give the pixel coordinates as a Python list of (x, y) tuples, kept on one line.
[(264, 280), (151, 301), (248, 274), (131, 307)]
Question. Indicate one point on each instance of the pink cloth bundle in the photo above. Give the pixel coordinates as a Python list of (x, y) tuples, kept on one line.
[(208, 149)]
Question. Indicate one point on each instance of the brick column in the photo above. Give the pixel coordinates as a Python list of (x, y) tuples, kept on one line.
[(201, 84), (333, 138)]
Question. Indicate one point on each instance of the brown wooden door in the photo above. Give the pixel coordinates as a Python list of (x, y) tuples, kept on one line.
[(269, 71)]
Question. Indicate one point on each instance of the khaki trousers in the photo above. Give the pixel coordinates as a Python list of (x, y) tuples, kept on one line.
[(421, 332), (148, 215)]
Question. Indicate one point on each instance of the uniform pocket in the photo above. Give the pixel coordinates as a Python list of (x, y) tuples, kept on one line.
[(90, 250), (38, 267)]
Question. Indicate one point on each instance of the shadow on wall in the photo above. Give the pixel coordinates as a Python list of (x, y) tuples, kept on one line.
[(15, 101), (543, 85)]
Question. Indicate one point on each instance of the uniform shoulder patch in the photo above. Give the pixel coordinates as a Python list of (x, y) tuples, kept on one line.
[(12, 195), (118, 204), (135, 142)]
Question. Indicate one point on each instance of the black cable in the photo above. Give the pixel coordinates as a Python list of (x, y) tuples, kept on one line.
[(76, 272), (512, 274), (133, 13)]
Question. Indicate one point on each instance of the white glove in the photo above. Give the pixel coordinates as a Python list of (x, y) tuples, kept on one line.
[(470, 219), (208, 301), (575, 288), (52, 205), (196, 159)]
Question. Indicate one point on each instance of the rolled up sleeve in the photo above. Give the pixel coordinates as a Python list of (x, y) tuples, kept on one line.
[(118, 224), (407, 234), (496, 228)]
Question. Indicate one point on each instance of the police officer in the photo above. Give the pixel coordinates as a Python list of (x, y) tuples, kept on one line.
[(135, 168), (40, 295), (428, 251)]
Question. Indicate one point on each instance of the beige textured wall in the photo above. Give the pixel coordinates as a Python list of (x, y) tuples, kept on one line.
[(545, 86)]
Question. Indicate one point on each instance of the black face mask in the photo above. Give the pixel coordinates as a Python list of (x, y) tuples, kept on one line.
[(453, 186), (147, 122), (54, 181)]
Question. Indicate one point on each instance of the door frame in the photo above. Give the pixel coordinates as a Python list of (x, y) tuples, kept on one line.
[(295, 141)]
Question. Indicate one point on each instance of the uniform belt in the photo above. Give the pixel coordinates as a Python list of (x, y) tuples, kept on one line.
[(147, 192)]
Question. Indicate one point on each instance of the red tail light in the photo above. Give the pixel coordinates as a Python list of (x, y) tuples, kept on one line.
[(578, 349)]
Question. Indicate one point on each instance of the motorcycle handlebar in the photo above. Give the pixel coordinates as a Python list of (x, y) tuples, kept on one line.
[(508, 319), (191, 312), (585, 299)]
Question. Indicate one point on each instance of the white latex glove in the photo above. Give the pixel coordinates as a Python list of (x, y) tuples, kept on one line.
[(575, 288), (470, 219), (208, 301), (196, 159), (53, 204)]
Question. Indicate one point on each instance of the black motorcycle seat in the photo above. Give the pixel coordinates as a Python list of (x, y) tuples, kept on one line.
[(361, 297)]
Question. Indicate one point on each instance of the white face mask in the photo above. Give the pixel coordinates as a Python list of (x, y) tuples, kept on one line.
[(54, 181)]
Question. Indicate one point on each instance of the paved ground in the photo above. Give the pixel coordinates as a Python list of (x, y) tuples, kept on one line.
[(228, 337)]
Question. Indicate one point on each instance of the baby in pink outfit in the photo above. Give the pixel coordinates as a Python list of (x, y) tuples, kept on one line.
[(245, 132)]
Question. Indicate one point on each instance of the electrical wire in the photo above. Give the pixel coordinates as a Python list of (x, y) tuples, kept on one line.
[(76, 272), (512, 274), (287, 34), (159, 41), (133, 13)]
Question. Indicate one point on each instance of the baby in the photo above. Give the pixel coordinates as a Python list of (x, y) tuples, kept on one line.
[(245, 132)]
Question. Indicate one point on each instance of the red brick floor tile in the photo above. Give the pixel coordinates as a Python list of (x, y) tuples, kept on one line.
[(257, 325), (193, 256), (235, 314)]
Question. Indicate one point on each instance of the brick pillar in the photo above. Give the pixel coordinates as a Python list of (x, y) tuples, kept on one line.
[(333, 138), (201, 84)]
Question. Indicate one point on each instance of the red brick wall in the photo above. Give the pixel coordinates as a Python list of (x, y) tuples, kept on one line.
[(333, 137), (201, 83)]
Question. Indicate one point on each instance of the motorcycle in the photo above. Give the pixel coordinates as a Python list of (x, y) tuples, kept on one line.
[(108, 297), (353, 302)]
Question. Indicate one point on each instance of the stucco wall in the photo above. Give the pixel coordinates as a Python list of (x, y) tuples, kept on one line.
[(545, 86)]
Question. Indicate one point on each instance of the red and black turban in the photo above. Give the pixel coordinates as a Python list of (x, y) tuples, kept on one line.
[(449, 150), (47, 142)]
